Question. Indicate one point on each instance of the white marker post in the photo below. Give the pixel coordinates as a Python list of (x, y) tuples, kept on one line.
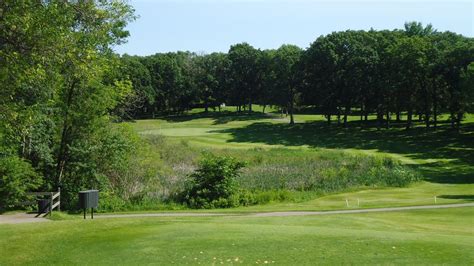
[(358, 202), (435, 199), (347, 203)]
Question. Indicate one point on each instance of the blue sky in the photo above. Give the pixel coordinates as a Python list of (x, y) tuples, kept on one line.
[(212, 26)]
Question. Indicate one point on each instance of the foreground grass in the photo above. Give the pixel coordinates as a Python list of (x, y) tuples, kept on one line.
[(415, 237)]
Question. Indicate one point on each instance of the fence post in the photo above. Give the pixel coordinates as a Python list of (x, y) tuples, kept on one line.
[(59, 199), (51, 203)]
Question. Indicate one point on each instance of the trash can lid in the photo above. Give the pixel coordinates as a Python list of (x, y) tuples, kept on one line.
[(89, 191)]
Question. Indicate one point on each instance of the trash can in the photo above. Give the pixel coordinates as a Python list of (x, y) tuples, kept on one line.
[(43, 205), (88, 199)]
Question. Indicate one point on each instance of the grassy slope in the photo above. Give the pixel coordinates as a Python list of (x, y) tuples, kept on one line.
[(417, 237), (445, 158)]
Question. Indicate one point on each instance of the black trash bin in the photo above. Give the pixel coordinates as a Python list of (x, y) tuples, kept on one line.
[(43, 205), (88, 199)]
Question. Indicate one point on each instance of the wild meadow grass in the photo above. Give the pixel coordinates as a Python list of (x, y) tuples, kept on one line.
[(296, 164), (281, 174)]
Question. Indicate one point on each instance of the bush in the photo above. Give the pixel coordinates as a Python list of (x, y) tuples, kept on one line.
[(213, 184), (17, 177)]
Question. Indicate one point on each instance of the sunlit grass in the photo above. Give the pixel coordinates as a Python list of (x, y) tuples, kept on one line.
[(417, 237)]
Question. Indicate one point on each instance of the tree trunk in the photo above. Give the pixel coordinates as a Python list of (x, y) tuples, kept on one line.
[(435, 114), (250, 106), (409, 119), (379, 118), (329, 119), (62, 151), (292, 119), (458, 121), (387, 122), (264, 106), (398, 116), (452, 120), (346, 112), (338, 116)]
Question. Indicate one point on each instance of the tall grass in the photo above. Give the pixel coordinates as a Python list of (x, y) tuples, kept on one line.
[(282, 174)]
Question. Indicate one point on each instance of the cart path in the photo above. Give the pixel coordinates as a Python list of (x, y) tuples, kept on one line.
[(30, 218), (286, 213), (19, 218)]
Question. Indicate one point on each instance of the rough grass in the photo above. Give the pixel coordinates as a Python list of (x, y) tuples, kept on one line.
[(283, 155), (281, 174), (423, 237)]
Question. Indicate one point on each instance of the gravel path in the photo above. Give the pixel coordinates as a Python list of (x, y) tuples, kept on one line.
[(30, 218), (287, 213), (392, 209), (19, 218)]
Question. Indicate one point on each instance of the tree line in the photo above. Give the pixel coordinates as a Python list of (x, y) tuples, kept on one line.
[(412, 71), (57, 92)]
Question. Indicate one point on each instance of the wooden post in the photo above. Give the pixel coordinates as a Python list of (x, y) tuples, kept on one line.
[(59, 199), (51, 204)]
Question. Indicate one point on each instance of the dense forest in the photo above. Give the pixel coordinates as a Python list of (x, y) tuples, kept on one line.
[(63, 89), (414, 71)]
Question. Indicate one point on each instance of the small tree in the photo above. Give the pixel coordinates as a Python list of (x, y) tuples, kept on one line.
[(213, 184), (17, 177)]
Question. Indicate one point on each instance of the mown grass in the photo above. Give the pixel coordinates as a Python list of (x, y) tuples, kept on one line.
[(423, 237)]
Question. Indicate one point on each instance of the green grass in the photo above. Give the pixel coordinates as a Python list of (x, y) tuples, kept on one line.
[(444, 157), (416, 237), (444, 236)]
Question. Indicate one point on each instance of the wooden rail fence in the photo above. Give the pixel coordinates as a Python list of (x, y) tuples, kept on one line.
[(54, 200)]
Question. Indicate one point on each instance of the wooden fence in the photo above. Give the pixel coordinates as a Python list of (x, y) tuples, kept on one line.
[(54, 200)]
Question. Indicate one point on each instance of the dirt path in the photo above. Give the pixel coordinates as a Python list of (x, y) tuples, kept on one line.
[(29, 218)]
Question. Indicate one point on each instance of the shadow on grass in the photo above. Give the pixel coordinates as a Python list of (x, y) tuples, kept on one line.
[(462, 197), (452, 152), (219, 118)]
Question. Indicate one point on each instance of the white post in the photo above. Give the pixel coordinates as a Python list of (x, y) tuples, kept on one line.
[(435, 199), (358, 202), (347, 203), (59, 199)]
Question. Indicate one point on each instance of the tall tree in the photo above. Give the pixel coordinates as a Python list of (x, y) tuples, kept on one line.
[(244, 74), (287, 67)]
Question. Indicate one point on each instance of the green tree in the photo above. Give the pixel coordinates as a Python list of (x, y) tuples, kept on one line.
[(287, 68), (214, 183), (244, 74), (139, 103)]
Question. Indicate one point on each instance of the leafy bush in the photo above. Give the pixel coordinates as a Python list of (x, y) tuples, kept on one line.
[(213, 184), (115, 161), (17, 177)]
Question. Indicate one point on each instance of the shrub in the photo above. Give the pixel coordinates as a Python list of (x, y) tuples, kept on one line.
[(213, 184), (17, 177)]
